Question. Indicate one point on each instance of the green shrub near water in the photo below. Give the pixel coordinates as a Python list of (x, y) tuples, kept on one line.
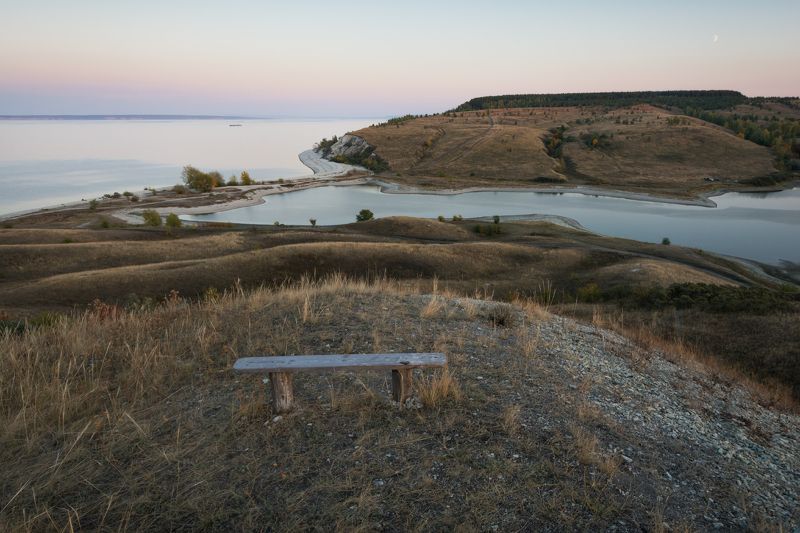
[(151, 217), (173, 221), (364, 215)]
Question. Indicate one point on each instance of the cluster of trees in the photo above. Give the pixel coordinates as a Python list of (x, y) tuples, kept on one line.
[(679, 99), (367, 159), (205, 181), (554, 141), (324, 146), (152, 218)]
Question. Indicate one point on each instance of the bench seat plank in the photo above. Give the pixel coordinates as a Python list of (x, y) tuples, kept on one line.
[(311, 363)]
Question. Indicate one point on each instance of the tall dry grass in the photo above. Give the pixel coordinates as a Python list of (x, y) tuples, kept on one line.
[(91, 381), (647, 340)]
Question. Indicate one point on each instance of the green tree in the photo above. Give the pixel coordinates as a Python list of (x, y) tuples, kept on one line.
[(245, 178), (196, 179), (313, 221), (232, 181), (151, 217), (364, 215)]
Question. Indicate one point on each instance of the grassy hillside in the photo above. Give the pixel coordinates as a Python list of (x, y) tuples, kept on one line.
[(588, 276), (640, 148), (132, 420)]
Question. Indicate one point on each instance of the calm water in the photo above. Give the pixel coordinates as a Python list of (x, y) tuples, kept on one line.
[(48, 162), (763, 227)]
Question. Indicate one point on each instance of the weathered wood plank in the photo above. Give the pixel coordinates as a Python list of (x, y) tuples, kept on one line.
[(401, 384), (282, 391), (311, 363)]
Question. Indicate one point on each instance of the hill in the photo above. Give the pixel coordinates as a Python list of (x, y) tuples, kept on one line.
[(723, 313), (671, 143), (132, 419)]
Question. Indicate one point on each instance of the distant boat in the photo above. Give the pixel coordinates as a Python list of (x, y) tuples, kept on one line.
[(235, 125)]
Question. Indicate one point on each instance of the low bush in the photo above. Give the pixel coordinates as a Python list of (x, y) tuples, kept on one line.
[(173, 221), (364, 215), (151, 217)]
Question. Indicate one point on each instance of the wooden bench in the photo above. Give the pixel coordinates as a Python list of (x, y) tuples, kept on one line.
[(281, 370)]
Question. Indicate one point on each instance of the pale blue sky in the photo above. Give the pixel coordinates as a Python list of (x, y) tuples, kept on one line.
[(375, 58)]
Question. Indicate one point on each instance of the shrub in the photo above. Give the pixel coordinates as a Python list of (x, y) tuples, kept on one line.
[(104, 224), (440, 218), (496, 219), (232, 181), (589, 293), (364, 215), (133, 198), (666, 241), (93, 204), (487, 229), (151, 217), (245, 178), (179, 189), (501, 315), (173, 221), (127, 193), (313, 221), (457, 218)]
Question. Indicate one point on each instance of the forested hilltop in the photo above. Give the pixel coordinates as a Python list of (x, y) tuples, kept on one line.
[(713, 99)]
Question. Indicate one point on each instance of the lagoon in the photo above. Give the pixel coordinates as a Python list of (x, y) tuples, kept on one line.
[(763, 227)]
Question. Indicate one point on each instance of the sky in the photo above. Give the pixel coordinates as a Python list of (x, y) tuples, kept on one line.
[(374, 58)]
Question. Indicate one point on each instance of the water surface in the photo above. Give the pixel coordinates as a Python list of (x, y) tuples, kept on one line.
[(758, 226), (48, 162)]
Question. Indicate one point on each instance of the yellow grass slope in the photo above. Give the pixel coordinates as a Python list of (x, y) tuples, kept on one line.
[(646, 149)]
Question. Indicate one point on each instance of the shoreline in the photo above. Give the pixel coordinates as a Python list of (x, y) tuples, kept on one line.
[(325, 172)]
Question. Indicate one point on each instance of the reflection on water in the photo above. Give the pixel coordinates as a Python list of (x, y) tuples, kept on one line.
[(760, 227), (47, 162)]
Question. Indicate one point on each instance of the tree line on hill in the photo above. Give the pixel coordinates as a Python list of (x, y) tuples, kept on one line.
[(715, 99)]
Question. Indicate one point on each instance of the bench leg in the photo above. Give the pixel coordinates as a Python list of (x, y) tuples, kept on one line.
[(401, 384), (282, 391)]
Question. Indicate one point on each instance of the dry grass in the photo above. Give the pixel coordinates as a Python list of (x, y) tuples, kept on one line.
[(505, 147), (647, 340), (438, 389), (510, 419), (131, 420)]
